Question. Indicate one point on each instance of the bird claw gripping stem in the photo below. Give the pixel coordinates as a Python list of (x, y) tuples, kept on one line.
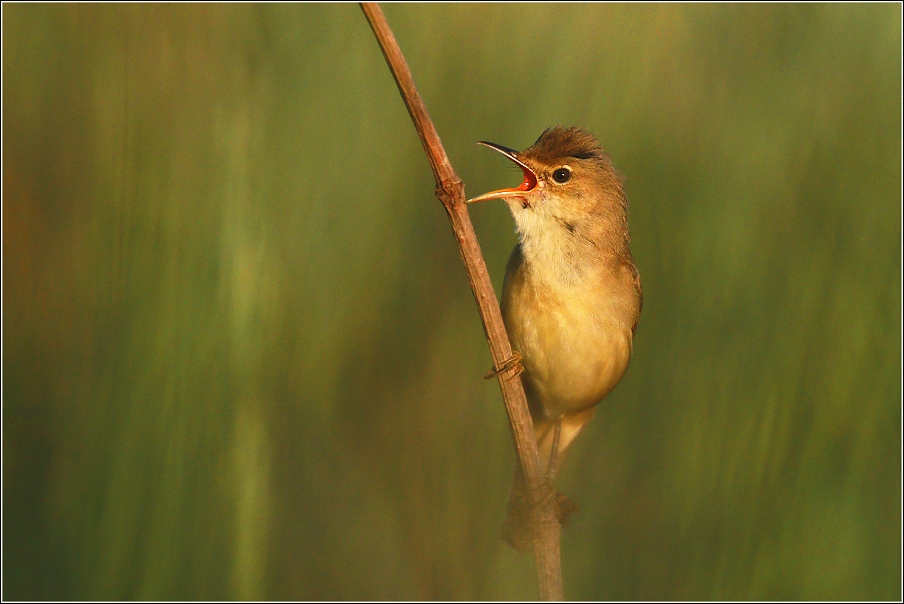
[(513, 364), (518, 529)]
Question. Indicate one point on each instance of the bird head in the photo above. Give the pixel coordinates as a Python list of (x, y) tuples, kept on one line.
[(569, 183)]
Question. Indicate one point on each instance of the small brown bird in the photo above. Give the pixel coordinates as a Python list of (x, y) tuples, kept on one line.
[(571, 296)]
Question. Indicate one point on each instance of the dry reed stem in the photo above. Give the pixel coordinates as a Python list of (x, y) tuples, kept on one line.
[(451, 192)]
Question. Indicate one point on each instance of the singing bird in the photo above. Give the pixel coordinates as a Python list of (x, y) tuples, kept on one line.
[(571, 297)]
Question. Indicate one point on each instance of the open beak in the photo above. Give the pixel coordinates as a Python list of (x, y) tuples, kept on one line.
[(530, 179)]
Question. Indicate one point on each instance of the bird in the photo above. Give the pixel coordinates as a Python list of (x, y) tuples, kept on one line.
[(571, 297)]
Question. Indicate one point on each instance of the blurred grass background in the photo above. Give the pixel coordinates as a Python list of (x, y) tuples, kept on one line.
[(240, 355)]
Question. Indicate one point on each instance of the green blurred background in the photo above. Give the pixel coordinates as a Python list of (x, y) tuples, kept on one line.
[(241, 358)]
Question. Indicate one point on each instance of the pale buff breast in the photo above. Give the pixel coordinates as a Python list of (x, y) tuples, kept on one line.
[(575, 346)]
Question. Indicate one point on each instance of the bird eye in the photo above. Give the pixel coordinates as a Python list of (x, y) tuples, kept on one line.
[(561, 175)]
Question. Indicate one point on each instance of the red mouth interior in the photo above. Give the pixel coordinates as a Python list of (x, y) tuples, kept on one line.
[(530, 181)]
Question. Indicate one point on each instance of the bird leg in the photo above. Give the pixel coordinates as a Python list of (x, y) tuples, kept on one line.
[(552, 467), (565, 507)]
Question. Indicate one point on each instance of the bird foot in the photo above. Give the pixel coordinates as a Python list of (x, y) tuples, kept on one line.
[(517, 530), (513, 363)]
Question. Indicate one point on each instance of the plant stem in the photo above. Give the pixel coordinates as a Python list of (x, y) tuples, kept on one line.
[(451, 192)]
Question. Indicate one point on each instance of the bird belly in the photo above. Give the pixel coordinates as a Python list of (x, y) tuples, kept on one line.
[(574, 355)]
